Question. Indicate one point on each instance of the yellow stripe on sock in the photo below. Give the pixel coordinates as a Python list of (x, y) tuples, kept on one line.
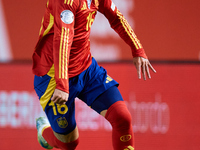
[(44, 128)]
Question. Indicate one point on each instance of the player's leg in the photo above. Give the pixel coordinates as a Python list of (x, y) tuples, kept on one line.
[(111, 105), (63, 132), (101, 93), (49, 139), (72, 136)]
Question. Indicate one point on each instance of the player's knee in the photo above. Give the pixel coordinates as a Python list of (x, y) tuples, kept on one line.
[(119, 116), (125, 120)]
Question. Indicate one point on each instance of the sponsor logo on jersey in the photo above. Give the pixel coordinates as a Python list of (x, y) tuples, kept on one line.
[(62, 122), (67, 16)]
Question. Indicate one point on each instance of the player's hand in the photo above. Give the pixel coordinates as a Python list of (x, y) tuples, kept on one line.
[(60, 97), (142, 65)]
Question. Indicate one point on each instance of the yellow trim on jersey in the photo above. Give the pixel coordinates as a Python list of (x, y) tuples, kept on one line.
[(71, 2), (41, 26), (66, 52), (51, 22), (68, 2), (63, 54), (84, 6), (96, 3), (51, 72), (129, 30), (48, 93), (60, 54), (47, 3)]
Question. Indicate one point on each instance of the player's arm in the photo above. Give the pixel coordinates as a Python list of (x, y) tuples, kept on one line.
[(122, 27), (63, 37)]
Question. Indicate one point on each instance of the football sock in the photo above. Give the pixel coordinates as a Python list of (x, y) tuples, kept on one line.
[(122, 132), (54, 142)]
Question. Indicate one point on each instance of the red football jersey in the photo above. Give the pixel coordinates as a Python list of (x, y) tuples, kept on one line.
[(64, 44)]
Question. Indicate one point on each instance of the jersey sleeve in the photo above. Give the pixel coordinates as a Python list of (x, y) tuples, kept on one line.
[(122, 27), (63, 37)]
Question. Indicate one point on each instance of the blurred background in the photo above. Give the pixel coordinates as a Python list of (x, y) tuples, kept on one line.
[(165, 110)]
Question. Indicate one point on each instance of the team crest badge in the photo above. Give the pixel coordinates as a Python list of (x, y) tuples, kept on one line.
[(62, 122)]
